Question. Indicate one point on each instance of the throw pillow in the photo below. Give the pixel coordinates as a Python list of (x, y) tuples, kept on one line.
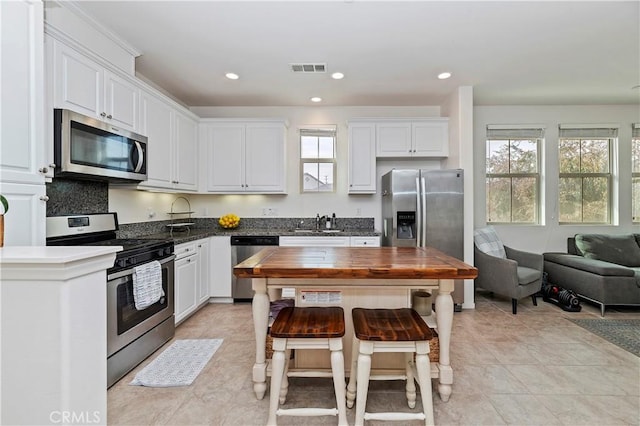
[(488, 242), (618, 249)]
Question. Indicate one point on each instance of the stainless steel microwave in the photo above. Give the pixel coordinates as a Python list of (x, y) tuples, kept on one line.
[(89, 148)]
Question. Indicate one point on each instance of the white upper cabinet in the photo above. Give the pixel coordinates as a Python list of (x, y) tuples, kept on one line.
[(186, 153), (430, 138), (156, 122), (393, 139), (244, 157), (412, 138), (264, 157), (362, 158), (22, 146), (84, 86), (172, 147), (22, 151)]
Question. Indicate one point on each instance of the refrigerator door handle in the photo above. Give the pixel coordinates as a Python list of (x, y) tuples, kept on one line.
[(418, 214), (423, 216)]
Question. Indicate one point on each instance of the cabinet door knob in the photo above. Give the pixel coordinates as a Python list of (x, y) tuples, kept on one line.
[(44, 198), (52, 165), (103, 114), (109, 117), (43, 170)]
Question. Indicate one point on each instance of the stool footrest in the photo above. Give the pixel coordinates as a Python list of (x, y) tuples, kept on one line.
[(307, 412), (394, 416), (388, 377), (309, 373)]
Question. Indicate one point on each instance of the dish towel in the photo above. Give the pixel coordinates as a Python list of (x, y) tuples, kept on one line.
[(147, 284)]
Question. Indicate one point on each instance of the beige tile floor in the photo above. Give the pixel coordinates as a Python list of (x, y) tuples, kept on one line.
[(535, 368)]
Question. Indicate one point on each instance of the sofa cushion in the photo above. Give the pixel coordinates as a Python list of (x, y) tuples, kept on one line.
[(619, 249), (594, 266), (488, 242)]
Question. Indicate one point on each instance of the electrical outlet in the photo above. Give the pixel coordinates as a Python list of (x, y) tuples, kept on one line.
[(269, 211)]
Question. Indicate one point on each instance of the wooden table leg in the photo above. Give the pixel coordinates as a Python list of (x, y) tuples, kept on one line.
[(260, 309), (444, 318)]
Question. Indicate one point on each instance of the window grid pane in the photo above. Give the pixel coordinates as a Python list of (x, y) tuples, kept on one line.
[(512, 180), (585, 180), (317, 160)]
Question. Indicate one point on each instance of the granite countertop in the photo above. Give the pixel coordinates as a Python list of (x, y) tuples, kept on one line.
[(193, 234)]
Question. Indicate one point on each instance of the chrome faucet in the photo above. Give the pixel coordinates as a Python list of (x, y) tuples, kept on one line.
[(319, 219)]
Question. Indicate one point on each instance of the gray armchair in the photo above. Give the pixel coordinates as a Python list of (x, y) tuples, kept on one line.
[(517, 275)]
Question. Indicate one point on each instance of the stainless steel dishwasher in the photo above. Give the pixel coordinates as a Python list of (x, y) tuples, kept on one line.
[(243, 247)]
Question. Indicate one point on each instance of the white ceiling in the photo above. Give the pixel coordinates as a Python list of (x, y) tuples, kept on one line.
[(512, 53)]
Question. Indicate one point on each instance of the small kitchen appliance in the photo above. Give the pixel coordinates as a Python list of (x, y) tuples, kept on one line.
[(132, 334)]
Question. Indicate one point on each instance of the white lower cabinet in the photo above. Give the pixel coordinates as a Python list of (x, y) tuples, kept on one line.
[(365, 241), (221, 268), (203, 249), (333, 241), (314, 241), (186, 280), (192, 277)]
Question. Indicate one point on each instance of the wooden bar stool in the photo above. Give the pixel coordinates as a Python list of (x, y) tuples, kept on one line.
[(390, 330), (307, 328)]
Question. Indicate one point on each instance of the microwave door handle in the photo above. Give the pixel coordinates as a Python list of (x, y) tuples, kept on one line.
[(140, 157)]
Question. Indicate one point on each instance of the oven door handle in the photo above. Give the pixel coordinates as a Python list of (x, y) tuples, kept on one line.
[(129, 271)]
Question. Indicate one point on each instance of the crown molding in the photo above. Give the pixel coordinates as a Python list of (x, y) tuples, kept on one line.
[(74, 7)]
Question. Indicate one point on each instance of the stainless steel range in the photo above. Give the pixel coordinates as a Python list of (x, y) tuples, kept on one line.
[(132, 334)]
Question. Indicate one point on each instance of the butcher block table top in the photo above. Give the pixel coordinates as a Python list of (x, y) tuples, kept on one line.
[(354, 262)]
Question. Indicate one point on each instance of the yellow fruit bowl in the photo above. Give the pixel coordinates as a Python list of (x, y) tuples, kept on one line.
[(229, 221)]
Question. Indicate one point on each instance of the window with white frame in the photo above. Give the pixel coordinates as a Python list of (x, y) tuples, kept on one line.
[(318, 159), (513, 174), (585, 165), (635, 173)]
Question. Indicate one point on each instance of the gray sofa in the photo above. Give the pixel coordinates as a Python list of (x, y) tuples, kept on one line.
[(604, 269)]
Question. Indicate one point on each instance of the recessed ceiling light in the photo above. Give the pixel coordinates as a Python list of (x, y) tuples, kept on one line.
[(316, 99), (337, 76), (444, 75), (232, 76)]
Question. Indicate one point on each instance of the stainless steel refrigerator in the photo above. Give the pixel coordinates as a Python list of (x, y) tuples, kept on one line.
[(425, 208)]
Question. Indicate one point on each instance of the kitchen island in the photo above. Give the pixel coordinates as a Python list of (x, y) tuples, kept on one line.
[(368, 277)]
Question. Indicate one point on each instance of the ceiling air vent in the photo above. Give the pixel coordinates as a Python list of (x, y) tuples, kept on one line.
[(308, 68)]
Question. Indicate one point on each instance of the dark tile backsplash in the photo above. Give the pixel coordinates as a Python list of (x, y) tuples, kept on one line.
[(67, 196)]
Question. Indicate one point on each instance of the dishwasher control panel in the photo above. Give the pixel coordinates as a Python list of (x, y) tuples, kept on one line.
[(255, 240)]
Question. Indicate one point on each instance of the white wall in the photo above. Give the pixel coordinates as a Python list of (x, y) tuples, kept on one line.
[(133, 206), (459, 108), (551, 236)]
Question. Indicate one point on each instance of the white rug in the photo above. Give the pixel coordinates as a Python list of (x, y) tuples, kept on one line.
[(179, 364)]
